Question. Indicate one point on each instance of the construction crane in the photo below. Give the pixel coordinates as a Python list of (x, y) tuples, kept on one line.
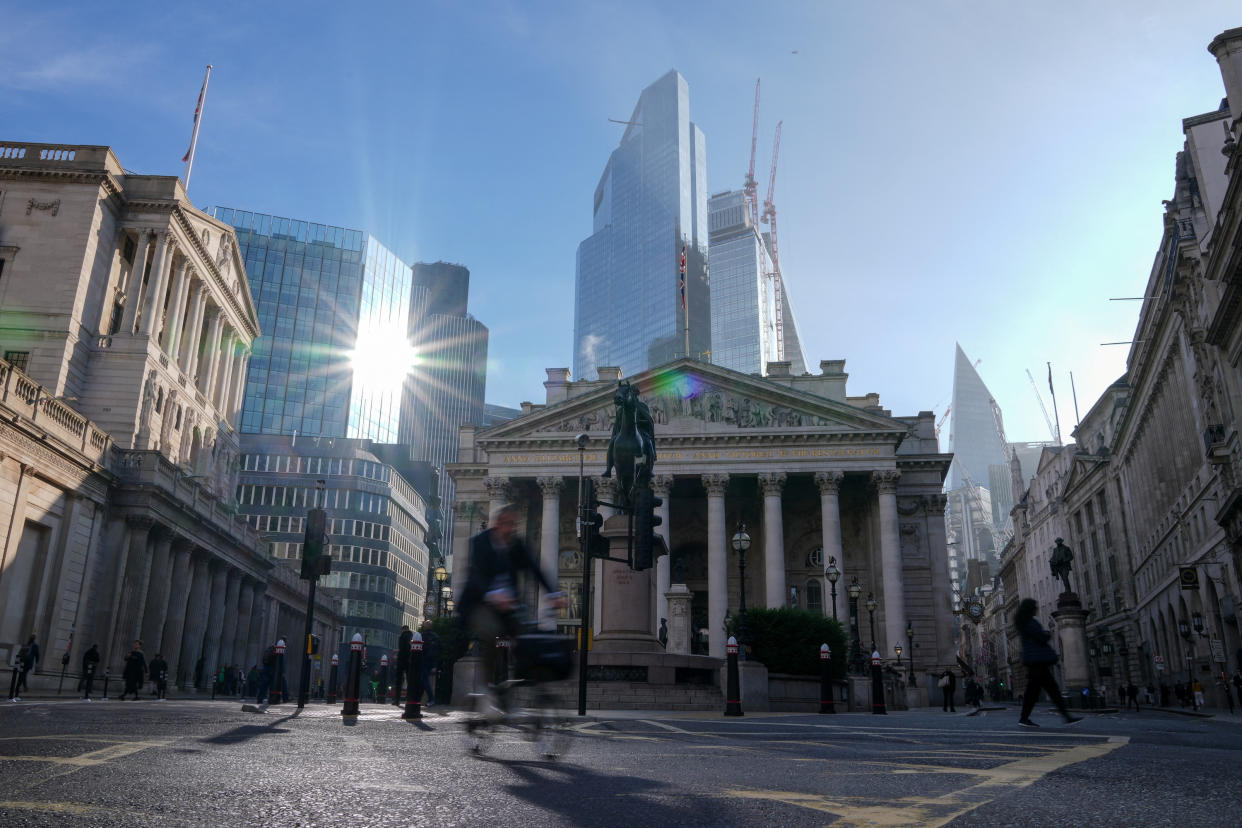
[(769, 218), (1048, 420), (751, 187), (940, 422)]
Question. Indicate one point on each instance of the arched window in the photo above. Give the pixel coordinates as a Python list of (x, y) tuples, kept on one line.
[(814, 596)]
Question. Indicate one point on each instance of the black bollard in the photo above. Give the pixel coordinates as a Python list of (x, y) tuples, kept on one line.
[(336, 661), (88, 680), (13, 683), (825, 680), (354, 677), (215, 682), (161, 686), (733, 692), (384, 688), (64, 665), (414, 680), (107, 675), (877, 686), (275, 696)]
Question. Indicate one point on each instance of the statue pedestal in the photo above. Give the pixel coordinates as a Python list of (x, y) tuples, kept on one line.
[(1072, 631), (679, 599), (626, 599)]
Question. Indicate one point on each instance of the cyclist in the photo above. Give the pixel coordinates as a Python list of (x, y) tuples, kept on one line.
[(489, 606)]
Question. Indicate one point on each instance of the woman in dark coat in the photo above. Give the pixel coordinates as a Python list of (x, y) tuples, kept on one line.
[(135, 671), (1039, 658)]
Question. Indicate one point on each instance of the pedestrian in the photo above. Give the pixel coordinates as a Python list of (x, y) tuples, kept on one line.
[(1237, 683), (1179, 690), (1223, 683), (1151, 695), (90, 663), (135, 671), (1039, 658), (29, 656), (267, 675), (252, 681), (158, 671), (948, 688), (1164, 694), (662, 635), (403, 660), (1132, 696), (1196, 687), (431, 657)]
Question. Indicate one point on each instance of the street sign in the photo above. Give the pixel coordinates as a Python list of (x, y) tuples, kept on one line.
[(1159, 663), (1188, 577)]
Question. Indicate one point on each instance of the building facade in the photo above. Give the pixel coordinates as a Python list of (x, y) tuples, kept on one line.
[(126, 317), (651, 201), (376, 524), (333, 303), (814, 473), (748, 294)]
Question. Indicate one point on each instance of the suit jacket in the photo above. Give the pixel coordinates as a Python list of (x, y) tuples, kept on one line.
[(486, 564)]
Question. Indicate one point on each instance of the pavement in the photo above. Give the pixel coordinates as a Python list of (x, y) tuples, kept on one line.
[(205, 763)]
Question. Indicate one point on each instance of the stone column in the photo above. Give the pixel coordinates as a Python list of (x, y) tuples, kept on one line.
[(228, 630), (662, 484), (193, 331), (773, 540), (212, 355), (195, 626), (215, 618), (239, 386), (829, 483), (133, 289), (128, 624), (241, 638), (176, 310), (220, 393), (894, 605), (463, 529), (157, 594), (679, 599), (158, 284), (549, 535), (717, 563), (178, 601), (497, 495), (254, 629), (942, 591)]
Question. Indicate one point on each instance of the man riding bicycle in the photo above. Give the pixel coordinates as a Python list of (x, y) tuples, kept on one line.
[(489, 603)]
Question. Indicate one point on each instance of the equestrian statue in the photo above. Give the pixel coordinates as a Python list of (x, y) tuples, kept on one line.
[(631, 448)]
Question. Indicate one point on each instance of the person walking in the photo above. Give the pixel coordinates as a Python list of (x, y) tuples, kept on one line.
[(431, 656), (1132, 696), (1237, 683), (1039, 658), (1196, 687), (134, 672), (29, 656), (948, 688), (90, 663), (267, 675), (158, 671), (403, 662)]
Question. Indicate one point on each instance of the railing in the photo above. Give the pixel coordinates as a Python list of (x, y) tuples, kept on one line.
[(28, 399), (57, 154), (12, 152)]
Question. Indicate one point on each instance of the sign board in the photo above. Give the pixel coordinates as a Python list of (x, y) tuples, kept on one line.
[(1159, 664), (1218, 651), (1188, 577)]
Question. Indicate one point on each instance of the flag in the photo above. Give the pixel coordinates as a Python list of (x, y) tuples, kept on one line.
[(198, 111), (1050, 388), (682, 281)]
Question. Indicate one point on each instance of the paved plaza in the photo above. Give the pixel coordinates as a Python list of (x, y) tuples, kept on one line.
[(209, 763)]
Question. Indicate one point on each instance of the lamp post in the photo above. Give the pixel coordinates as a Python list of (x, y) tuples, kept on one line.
[(449, 606), (871, 605), (741, 543), (833, 573), (853, 591), (1187, 634), (441, 575), (910, 645), (446, 594), (897, 650)]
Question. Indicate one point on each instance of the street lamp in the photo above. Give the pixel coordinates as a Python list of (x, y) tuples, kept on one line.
[(853, 591), (441, 575), (910, 644), (833, 573), (1187, 634), (871, 605), (897, 650), (446, 593), (741, 543)]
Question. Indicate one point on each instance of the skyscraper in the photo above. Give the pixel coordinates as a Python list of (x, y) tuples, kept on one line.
[(630, 310), (745, 296), (333, 304)]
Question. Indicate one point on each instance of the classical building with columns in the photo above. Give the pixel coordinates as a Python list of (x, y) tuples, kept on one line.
[(813, 473), (125, 324)]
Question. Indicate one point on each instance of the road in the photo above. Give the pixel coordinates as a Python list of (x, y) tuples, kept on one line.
[(209, 763)]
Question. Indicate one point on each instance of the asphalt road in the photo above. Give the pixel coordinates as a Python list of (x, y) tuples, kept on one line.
[(199, 763)]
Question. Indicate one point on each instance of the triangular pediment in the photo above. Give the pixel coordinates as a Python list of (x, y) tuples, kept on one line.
[(689, 398)]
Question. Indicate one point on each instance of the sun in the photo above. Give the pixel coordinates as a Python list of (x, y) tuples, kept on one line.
[(382, 358)]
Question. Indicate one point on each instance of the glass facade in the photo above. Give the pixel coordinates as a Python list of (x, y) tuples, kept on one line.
[(651, 198), (319, 290)]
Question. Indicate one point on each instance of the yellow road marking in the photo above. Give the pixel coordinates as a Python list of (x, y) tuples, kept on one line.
[(54, 807)]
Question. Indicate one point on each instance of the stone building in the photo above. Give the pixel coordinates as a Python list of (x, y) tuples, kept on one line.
[(125, 322), (814, 474)]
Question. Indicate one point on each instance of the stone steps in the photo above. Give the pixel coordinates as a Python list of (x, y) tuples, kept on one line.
[(621, 695)]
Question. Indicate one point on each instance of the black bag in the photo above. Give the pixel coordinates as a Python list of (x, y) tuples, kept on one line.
[(544, 657)]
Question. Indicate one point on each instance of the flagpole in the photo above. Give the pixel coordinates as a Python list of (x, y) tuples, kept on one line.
[(198, 119)]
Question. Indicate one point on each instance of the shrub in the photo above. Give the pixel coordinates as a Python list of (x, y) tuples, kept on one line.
[(788, 640)]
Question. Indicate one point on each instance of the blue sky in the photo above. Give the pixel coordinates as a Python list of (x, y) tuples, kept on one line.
[(950, 171)]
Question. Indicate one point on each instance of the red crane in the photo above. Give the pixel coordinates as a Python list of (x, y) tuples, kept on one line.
[(752, 186)]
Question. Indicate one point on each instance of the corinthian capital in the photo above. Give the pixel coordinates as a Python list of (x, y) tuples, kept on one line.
[(772, 483), (661, 484), (497, 487), (886, 481), (936, 503), (715, 484), (829, 482), (550, 486), (606, 489)]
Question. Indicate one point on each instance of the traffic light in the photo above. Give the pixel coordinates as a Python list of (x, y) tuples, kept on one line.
[(314, 561), (645, 522), (312, 644), (597, 544)]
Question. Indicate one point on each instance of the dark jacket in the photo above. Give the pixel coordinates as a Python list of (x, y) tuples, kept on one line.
[(1035, 646), (158, 667), (403, 648), (487, 565), (952, 681), (135, 666), (90, 660)]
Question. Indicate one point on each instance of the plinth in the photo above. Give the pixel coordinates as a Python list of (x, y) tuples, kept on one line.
[(1072, 629), (626, 597)]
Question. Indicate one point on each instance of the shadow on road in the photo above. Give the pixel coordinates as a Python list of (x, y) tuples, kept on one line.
[(245, 733)]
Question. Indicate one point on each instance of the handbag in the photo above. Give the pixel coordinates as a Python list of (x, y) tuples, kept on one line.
[(944, 682)]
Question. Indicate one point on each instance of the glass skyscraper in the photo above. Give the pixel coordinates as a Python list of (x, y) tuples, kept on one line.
[(744, 295), (651, 198), (321, 293)]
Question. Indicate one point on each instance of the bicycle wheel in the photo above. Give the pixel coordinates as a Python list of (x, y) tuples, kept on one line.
[(478, 734), (549, 724)]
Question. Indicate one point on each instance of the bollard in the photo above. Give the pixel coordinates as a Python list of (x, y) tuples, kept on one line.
[(384, 688), (64, 665), (274, 693), (88, 680), (414, 680), (336, 660), (733, 692), (353, 677), (215, 682), (825, 680), (161, 686), (502, 662), (13, 682), (107, 675), (877, 686)]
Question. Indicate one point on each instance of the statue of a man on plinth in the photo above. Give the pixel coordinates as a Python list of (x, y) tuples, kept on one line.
[(1061, 563)]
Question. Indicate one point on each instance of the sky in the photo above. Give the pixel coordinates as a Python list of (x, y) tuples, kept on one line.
[(950, 171)]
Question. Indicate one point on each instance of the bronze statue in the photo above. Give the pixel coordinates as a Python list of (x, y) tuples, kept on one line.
[(1062, 558), (631, 448)]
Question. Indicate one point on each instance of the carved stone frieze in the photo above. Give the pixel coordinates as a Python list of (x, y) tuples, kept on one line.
[(936, 503), (497, 487), (50, 207)]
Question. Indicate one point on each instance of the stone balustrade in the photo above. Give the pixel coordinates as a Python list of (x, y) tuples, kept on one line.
[(26, 397)]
